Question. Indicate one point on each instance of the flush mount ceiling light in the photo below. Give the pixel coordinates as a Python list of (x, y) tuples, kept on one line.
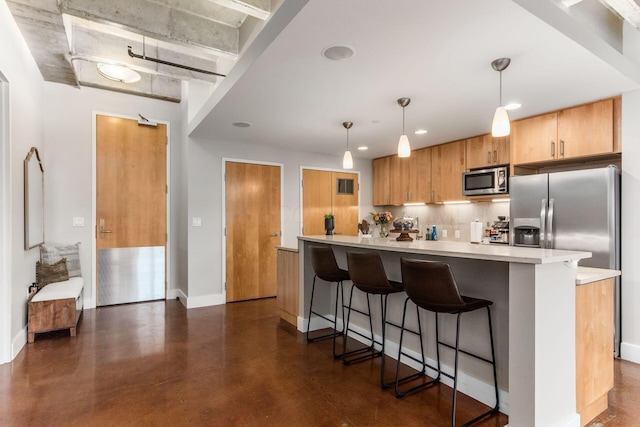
[(347, 160), (337, 53), (501, 125), (421, 131), (404, 148), (363, 148), (512, 106), (118, 73)]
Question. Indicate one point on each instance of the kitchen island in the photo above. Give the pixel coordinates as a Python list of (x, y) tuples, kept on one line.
[(534, 294)]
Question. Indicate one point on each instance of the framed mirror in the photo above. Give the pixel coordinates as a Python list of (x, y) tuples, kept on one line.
[(33, 200)]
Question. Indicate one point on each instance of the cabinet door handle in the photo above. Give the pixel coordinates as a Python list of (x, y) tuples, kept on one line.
[(489, 157), (553, 149), (562, 148), (495, 156), (433, 195)]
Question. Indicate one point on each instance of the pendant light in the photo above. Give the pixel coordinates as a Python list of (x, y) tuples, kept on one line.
[(404, 148), (347, 160), (500, 125)]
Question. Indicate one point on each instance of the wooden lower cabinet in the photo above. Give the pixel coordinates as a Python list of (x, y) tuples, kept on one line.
[(594, 347), (288, 284)]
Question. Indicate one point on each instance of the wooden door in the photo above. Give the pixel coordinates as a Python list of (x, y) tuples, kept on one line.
[(586, 130), (131, 210), (535, 139), (479, 151), (252, 201), (345, 203), (381, 181), (322, 193), (399, 180), (420, 176), (448, 164), (316, 200), (501, 151)]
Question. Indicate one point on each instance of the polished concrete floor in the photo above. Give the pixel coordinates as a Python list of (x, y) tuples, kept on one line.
[(235, 365)]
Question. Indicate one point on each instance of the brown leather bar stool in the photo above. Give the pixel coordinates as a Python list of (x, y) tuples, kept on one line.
[(368, 275), (432, 286), (326, 268)]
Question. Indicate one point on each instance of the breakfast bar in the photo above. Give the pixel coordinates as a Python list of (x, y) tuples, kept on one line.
[(534, 315)]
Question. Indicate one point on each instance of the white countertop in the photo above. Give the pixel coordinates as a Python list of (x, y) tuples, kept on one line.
[(504, 253), (590, 274)]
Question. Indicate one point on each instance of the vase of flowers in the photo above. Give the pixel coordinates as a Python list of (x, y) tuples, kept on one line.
[(382, 219), (329, 223)]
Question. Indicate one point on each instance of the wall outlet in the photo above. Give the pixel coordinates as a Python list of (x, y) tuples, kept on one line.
[(196, 222), (444, 233), (457, 234), (78, 221)]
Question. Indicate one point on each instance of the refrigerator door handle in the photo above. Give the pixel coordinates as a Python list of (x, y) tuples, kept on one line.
[(550, 225), (543, 224)]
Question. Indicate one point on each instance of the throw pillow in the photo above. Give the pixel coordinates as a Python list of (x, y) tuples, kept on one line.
[(51, 254), (56, 272)]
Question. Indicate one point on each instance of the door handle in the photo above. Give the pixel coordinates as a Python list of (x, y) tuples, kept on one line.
[(102, 230), (553, 149), (489, 157), (276, 234), (495, 156), (562, 148)]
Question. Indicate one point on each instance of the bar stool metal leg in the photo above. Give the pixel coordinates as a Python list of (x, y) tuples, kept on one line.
[(334, 321), (346, 355)]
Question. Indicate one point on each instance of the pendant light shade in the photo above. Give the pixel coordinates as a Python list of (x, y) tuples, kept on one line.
[(404, 148), (347, 159), (500, 125)]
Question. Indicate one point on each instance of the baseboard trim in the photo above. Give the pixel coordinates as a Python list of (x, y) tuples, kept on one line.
[(630, 352), (18, 342), (201, 301)]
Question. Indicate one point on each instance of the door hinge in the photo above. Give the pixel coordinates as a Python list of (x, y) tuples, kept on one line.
[(225, 286), (166, 189), (166, 237), (166, 140), (302, 183), (303, 231), (225, 231), (225, 177)]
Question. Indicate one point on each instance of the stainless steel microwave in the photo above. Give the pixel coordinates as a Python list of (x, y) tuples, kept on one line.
[(486, 182)]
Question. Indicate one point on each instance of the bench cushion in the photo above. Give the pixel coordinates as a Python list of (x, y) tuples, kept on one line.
[(60, 290)]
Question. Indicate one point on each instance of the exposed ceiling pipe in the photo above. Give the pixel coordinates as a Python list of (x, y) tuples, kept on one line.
[(172, 64)]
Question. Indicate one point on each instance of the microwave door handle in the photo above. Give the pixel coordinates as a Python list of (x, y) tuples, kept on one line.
[(543, 223), (550, 243)]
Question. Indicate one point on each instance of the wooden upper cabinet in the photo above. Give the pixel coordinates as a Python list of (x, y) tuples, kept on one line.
[(447, 165), (420, 176), (399, 180), (381, 177), (583, 131), (586, 130), (534, 139), (487, 151)]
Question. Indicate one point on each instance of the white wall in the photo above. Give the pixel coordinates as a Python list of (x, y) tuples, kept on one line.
[(630, 347), (68, 161), (205, 201), (25, 85)]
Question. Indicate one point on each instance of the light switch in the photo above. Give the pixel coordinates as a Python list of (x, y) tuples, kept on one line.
[(196, 222), (457, 234), (444, 233), (78, 221)]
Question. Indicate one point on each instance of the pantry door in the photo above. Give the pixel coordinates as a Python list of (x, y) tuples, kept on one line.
[(326, 192), (252, 216), (131, 191)]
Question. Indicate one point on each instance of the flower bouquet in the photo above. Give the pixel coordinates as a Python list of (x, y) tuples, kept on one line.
[(382, 219)]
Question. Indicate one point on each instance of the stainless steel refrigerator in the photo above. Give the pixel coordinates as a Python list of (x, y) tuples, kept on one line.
[(575, 210)]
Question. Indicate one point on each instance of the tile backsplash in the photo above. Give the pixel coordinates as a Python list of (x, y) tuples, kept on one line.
[(451, 217)]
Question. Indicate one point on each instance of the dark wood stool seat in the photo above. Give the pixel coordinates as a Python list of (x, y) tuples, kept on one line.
[(432, 286), (326, 268)]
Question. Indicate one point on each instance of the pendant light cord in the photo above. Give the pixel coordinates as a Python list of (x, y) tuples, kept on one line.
[(347, 139), (500, 89), (403, 121)]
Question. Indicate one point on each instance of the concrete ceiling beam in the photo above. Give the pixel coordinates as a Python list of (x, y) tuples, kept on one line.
[(158, 21), (44, 33), (208, 9), (151, 86), (257, 8), (101, 47)]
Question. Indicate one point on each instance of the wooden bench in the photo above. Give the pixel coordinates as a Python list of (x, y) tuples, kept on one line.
[(56, 306)]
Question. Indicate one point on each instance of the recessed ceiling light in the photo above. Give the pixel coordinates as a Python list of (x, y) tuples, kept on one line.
[(118, 73), (242, 124), (363, 148), (375, 121), (512, 106), (337, 53), (421, 131)]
